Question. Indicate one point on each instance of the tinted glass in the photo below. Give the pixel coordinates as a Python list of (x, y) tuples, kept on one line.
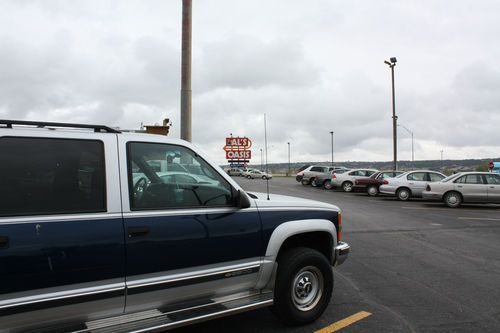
[(369, 172), (183, 180), (317, 169), (493, 179), (435, 177), (416, 176), (473, 179), (51, 176)]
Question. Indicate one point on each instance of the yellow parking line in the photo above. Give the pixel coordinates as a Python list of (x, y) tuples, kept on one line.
[(344, 322)]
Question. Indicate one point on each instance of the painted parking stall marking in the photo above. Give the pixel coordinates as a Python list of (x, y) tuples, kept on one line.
[(344, 322)]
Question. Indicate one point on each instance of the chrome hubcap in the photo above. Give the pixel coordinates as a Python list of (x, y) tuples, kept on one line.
[(347, 187), (307, 288), (403, 194), (452, 199), (372, 190)]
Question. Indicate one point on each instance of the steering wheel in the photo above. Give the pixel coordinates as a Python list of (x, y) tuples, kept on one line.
[(139, 188)]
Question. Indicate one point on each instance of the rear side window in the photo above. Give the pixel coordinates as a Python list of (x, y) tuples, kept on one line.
[(317, 169), (418, 176), (470, 179), (51, 176)]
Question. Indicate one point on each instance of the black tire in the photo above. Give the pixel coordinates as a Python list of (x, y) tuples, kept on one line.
[(372, 190), (347, 186), (264, 177), (403, 194), (304, 285), (313, 182), (304, 182), (452, 199), (327, 184), (249, 177)]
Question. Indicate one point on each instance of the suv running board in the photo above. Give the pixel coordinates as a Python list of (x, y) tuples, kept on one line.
[(157, 320)]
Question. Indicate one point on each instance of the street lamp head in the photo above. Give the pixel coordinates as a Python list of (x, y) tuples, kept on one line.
[(394, 60), (331, 132)]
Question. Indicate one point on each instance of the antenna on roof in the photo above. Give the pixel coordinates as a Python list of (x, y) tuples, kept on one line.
[(265, 139)]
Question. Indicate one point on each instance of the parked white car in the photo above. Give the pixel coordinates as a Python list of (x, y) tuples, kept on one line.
[(410, 184), (346, 180), (257, 174), (465, 187)]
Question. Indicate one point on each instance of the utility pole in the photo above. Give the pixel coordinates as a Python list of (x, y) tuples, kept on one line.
[(331, 132), (186, 71), (288, 174), (261, 160), (392, 64)]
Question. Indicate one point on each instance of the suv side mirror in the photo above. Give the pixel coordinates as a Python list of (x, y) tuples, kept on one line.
[(242, 200)]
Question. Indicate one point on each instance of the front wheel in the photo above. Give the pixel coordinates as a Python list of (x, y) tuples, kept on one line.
[(264, 177), (313, 183), (249, 177), (327, 184), (304, 285)]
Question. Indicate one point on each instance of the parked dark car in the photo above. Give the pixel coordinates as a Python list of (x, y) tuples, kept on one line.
[(371, 184)]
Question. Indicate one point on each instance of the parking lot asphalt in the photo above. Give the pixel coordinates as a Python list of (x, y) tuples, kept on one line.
[(414, 267)]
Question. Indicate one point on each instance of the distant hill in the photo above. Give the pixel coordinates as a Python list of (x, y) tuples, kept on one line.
[(447, 166)]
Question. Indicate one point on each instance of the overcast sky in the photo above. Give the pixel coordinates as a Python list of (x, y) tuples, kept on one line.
[(312, 66)]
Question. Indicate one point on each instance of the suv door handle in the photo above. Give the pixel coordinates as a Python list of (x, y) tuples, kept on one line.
[(137, 231), (4, 242)]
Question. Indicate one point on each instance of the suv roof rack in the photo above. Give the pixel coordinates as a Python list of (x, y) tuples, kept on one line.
[(41, 124)]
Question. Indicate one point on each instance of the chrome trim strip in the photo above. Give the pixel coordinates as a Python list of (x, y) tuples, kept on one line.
[(296, 208), (25, 304), (179, 280), (59, 218), (191, 211)]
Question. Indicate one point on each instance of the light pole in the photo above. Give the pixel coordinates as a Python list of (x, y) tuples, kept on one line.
[(261, 160), (442, 157), (288, 174), (412, 151), (391, 64), (331, 132), (186, 71)]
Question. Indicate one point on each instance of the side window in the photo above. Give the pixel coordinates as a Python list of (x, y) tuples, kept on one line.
[(416, 176), (51, 176), (461, 180), (184, 179), (435, 177), (369, 173), (317, 169), (473, 179), (353, 173), (493, 179)]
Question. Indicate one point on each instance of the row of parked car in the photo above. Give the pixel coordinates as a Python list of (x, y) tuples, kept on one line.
[(249, 173), (463, 187)]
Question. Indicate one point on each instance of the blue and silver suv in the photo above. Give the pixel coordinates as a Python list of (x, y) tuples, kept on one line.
[(107, 231)]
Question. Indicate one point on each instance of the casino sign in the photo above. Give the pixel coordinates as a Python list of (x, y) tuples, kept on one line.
[(238, 153)]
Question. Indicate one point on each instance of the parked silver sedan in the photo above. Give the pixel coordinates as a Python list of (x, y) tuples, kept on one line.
[(346, 180), (465, 187), (410, 184)]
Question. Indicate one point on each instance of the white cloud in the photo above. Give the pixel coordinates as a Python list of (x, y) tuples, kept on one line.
[(312, 67)]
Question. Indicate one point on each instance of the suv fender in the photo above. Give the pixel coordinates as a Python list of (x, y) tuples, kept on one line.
[(283, 232)]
